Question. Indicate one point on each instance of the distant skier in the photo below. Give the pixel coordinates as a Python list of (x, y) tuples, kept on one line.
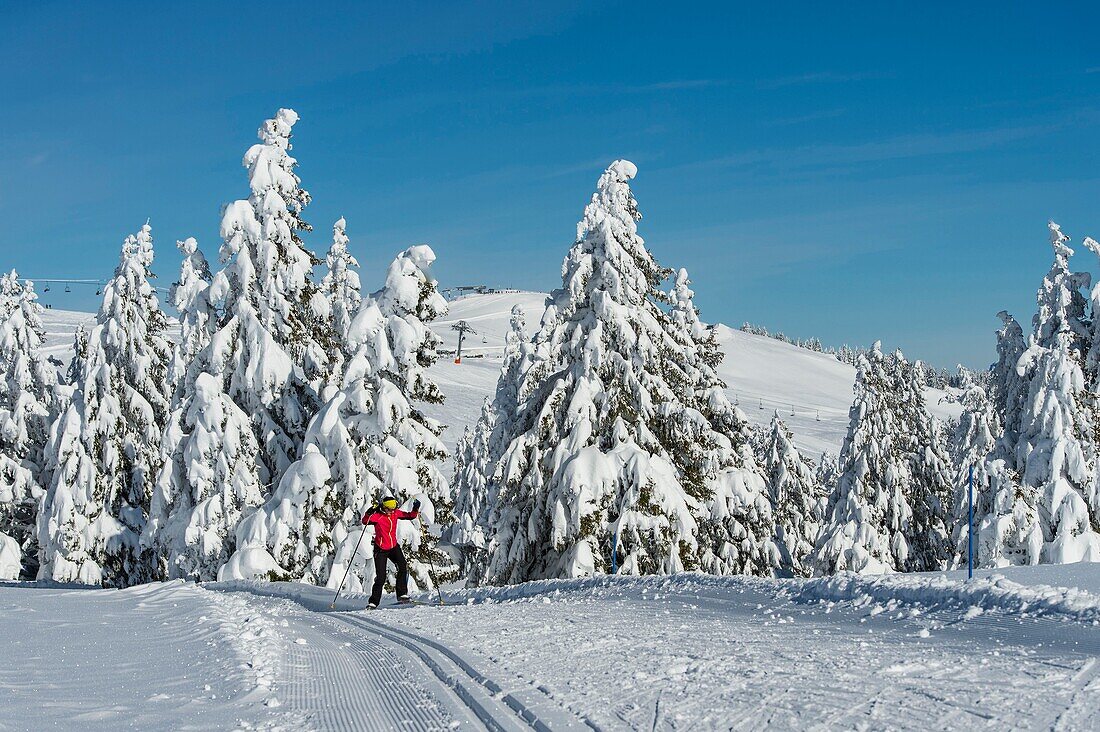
[(384, 520)]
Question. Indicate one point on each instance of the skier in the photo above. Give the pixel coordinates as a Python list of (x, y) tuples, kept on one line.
[(384, 519)]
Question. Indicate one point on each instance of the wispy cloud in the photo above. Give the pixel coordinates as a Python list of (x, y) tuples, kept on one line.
[(819, 77), (893, 148), (679, 85), (1093, 70), (672, 85), (809, 117)]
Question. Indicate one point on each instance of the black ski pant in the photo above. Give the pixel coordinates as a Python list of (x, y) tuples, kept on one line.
[(381, 556)]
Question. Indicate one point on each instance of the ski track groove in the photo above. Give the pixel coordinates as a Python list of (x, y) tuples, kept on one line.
[(484, 694), (340, 679), (368, 683), (1081, 716)]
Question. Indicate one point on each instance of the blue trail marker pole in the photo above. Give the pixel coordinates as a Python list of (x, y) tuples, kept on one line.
[(970, 530)]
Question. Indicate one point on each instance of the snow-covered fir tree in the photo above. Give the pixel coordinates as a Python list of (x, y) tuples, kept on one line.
[(190, 296), (1092, 356), (370, 439), (607, 466), (930, 488), (269, 357), (795, 496), (208, 482), (1009, 387), (866, 509), (1056, 449), (80, 350), (26, 404), (736, 527), (473, 475), (341, 284), (888, 510), (103, 453), (1007, 529), (271, 352), (826, 474), (972, 446)]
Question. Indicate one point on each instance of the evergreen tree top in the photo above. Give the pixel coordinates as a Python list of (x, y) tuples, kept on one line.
[(1061, 304), (129, 296)]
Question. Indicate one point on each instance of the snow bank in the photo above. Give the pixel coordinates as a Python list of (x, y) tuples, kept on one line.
[(996, 593), (926, 592)]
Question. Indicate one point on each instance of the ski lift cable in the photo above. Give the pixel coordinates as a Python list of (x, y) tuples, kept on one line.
[(99, 284), (791, 409)]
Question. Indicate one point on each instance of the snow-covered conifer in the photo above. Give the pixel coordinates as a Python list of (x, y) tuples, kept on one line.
[(794, 496), (371, 439), (269, 358), (827, 472), (972, 446), (341, 284), (929, 489), (103, 453), (888, 510), (207, 484), (271, 352), (80, 350), (26, 402), (198, 317), (736, 529), (1009, 387), (473, 475), (866, 509), (1056, 449), (607, 465)]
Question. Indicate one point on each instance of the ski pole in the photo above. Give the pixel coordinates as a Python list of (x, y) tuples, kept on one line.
[(354, 554)]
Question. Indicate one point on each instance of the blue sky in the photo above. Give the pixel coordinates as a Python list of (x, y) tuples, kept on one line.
[(883, 171)]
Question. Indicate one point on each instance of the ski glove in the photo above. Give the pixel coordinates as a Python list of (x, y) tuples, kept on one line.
[(416, 506)]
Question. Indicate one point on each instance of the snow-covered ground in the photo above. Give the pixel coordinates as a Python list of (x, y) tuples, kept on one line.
[(763, 374), (687, 652), (60, 326), (151, 657)]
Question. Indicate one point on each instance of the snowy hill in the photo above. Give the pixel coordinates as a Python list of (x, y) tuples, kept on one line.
[(763, 374), (60, 327), (488, 315)]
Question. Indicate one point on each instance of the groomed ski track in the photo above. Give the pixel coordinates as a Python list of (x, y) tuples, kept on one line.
[(697, 652), (351, 672), (1011, 649)]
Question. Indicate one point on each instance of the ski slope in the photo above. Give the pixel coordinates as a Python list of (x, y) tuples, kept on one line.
[(811, 391), (60, 327), (912, 652)]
